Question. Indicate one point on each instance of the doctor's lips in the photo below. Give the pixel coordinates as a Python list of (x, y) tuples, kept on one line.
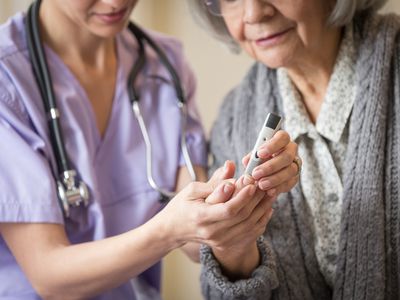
[(114, 17), (272, 39)]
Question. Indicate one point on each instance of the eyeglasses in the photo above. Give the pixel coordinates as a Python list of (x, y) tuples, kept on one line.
[(226, 7), (223, 7)]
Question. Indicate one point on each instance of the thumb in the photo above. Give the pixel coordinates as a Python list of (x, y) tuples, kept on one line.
[(245, 159), (225, 172)]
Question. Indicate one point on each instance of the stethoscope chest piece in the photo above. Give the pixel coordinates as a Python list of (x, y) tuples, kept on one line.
[(71, 193)]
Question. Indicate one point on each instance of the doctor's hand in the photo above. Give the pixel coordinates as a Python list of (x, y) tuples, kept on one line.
[(214, 213), (279, 172), (239, 256)]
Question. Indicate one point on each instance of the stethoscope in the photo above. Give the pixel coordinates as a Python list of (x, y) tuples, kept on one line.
[(72, 191)]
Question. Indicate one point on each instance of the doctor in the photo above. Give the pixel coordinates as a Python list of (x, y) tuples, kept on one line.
[(81, 224)]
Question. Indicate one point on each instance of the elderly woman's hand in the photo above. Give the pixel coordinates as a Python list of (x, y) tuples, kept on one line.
[(281, 167), (238, 254), (215, 213)]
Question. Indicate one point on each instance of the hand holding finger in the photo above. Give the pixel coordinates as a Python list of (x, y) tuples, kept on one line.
[(242, 222), (248, 229), (242, 182), (221, 194)]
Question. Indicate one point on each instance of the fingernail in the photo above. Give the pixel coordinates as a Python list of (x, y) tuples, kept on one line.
[(225, 166), (227, 188), (257, 174), (263, 152), (247, 179), (264, 184)]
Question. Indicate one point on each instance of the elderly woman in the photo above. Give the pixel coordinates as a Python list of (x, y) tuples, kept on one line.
[(332, 69)]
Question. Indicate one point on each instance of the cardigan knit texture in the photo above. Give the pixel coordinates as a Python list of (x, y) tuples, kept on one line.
[(368, 261)]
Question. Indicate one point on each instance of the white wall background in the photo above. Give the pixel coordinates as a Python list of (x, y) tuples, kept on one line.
[(217, 71)]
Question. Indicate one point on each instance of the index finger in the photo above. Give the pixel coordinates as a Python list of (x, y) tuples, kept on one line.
[(229, 209), (276, 144)]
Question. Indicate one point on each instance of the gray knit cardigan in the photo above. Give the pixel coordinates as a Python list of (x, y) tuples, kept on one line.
[(368, 262)]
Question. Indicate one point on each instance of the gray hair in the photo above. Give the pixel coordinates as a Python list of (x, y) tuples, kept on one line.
[(342, 14)]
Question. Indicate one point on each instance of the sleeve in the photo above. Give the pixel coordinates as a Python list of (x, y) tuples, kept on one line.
[(27, 186), (215, 285), (195, 137)]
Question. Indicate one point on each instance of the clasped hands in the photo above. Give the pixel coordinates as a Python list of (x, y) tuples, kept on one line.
[(229, 215)]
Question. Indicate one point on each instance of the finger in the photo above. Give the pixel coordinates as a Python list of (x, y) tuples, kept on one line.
[(221, 194), (229, 209), (278, 178), (251, 211), (270, 199), (277, 163), (280, 140), (248, 229), (243, 181), (248, 210), (195, 190), (246, 159), (287, 186), (225, 172)]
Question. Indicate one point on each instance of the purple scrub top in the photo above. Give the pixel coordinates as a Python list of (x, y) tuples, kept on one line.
[(113, 166)]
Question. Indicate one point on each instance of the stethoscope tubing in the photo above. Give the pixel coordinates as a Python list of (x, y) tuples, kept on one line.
[(135, 97), (43, 77), (66, 179)]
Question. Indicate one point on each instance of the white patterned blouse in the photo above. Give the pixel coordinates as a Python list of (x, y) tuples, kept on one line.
[(322, 148)]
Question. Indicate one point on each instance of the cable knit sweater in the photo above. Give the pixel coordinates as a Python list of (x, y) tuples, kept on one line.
[(368, 260)]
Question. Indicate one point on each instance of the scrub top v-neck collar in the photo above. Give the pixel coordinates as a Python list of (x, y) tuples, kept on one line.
[(70, 77)]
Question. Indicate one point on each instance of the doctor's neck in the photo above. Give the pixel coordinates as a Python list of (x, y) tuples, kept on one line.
[(71, 38)]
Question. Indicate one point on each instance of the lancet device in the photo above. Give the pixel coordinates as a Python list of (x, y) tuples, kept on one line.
[(270, 127)]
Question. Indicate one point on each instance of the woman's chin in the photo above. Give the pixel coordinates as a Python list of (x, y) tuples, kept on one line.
[(274, 63), (275, 57)]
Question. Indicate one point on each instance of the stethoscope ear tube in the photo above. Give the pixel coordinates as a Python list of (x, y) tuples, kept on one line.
[(43, 78), (141, 35), (135, 97), (71, 191)]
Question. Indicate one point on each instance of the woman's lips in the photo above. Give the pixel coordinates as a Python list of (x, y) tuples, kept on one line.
[(112, 18), (272, 39)]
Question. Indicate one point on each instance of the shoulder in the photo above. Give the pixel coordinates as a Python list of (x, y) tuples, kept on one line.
[(257, 84), (373, 28), (13, 59), (250, 97), (12, 36)]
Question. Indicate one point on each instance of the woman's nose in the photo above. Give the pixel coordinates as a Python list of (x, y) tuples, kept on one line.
[(256, 10)]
